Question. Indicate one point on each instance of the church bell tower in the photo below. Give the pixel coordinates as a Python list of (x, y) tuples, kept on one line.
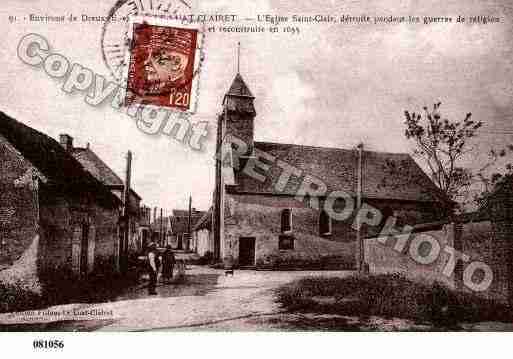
[(235, 127), (239, 113)]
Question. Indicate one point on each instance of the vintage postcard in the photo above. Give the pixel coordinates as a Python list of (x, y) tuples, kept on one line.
[(265, 166)]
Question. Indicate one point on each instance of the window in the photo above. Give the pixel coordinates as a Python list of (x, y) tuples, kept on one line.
[(324, 224), (286, 220), (387, 212), (285, 242)]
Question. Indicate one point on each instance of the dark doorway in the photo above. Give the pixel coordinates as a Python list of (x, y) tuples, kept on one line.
[(84, 246), (246, 251)]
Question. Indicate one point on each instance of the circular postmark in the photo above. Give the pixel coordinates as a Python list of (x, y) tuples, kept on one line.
[(114, 35), (154, 51)]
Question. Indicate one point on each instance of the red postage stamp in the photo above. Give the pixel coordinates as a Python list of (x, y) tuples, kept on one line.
[(163, 63)]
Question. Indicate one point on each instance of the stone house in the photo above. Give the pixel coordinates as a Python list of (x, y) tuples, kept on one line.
[(144, 231), (496, 249), (106, 175), (259, 220), (202, 241), (180, 237), (56, 219)]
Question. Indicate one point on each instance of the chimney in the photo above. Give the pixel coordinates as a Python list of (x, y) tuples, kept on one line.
[(66, 142)]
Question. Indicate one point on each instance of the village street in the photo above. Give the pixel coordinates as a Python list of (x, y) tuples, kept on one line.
[(207, 300)]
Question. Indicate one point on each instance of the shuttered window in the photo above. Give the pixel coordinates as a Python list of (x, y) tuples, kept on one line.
[(286, 220)]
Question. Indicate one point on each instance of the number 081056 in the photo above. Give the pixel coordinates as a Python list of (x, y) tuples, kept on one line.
[(48, 344)]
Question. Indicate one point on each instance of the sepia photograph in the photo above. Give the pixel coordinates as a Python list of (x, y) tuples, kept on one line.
[(267, 166)]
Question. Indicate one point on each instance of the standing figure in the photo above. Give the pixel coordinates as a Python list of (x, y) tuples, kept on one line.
[(168, 263), (153, 267)]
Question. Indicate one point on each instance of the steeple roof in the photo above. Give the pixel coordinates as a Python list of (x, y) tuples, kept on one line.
[(239, 98), (239, 88)]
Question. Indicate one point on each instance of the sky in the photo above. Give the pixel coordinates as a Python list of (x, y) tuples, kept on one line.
[(332, 85)]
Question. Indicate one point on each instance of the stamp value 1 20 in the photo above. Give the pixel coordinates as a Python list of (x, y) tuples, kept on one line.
[(163, 63)]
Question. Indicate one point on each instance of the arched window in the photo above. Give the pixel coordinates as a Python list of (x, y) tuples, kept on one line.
[(286, 220), (324, 224)]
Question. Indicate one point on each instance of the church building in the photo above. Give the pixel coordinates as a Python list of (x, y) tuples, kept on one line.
[(271, 200)]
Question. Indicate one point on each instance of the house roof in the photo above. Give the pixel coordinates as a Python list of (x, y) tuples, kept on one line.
[(475, 216), (205, 222), (180, 213), (499, 204), (185, 212), (180, 220), (94, 164), (57, 165), (385, 175), (99, 169)]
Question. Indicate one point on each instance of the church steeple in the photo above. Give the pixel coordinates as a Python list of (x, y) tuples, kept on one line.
[(239, 88), (235, 125), (238, 115), (239, 98)]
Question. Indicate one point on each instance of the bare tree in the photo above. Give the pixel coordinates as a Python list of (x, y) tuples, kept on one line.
[(442, 144)]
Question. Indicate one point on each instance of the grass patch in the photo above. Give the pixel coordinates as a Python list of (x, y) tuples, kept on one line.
[(15, 297), (389, 296), (64, 288)]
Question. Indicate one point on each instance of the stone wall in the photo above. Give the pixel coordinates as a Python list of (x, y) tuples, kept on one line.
[(488, 242), (107, 239), (259, 216), (39, 226), (202, 242), (18, 205), (62, 220), (393, 255)]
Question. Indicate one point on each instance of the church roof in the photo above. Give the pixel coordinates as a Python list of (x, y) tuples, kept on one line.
[(385, 175), (239, 88)]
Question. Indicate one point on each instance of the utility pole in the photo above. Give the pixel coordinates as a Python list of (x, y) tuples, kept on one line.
[(125, 214), (359, 194), (190, 213), (189, 234), (161, 227)]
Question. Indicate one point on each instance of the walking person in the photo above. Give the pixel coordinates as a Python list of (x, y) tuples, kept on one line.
[(168, 264), (153, 268)]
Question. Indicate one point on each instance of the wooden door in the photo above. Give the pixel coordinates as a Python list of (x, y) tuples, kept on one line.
[(84, 249), (246, 251)]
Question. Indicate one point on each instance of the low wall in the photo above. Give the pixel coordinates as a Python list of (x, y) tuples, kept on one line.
[(488, 242), (483, 244), (403, 254)]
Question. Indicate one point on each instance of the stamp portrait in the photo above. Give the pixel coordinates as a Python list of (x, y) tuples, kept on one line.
[(163, 62)]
